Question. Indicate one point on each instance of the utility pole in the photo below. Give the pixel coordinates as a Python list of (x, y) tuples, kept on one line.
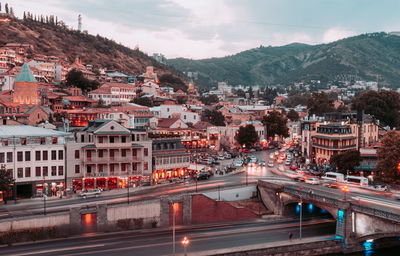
[(127, 184), (301, 215), (44, 195)]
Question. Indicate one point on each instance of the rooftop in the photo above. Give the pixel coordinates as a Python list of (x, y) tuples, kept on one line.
[(25, 75), (10, 131)]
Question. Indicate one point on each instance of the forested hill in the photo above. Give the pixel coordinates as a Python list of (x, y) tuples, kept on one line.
[(53, 39), (373, 56)]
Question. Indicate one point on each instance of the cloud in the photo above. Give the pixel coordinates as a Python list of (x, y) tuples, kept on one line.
[(334, 34)]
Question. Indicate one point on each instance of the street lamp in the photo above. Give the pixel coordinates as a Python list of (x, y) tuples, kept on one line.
[(185, 243), (173, 228), (301, 215), (44, 195)]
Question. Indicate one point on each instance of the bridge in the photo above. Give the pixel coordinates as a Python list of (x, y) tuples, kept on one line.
[(358, 217)]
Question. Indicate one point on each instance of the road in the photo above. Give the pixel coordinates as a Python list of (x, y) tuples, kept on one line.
[(160, 242)]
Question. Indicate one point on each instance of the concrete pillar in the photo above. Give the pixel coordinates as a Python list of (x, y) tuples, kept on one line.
[(74, 220), (102, 221), (164, 211), (187, 209)]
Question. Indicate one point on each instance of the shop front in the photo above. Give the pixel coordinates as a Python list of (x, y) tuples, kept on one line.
[(107, 183), (48, 188), (168, 174)]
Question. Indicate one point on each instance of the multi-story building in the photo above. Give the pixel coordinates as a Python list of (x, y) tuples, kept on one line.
[(114, 93), (170, 159), (108, 155), (36, 158), (176, 111)]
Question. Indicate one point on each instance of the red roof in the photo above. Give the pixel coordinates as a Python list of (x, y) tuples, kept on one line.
[(79, 98), (166, 122)]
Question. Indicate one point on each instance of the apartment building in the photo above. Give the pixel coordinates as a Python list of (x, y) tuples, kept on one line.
[(35, 157), (108, 156)]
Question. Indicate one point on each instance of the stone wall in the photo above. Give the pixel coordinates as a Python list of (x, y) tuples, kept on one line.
[(36, 222)]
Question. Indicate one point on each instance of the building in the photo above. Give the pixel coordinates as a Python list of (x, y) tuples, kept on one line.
[(36, 158), (176, 111), (108, 156), (114, 93), (26, 88), (170, 159)]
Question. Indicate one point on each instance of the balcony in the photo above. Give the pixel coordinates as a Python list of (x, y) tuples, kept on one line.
[(336, 147), (100, 160)]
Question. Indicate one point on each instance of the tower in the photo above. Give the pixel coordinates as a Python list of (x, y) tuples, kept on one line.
[(79, 23), (26, 90)]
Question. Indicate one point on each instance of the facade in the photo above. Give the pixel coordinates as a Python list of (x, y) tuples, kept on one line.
[(26, 88), (114, 93), (176, 111), (170, 159), (108, 156), (36, 158)]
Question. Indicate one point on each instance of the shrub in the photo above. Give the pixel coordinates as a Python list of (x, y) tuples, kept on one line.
[(138, 223), (124, 223)]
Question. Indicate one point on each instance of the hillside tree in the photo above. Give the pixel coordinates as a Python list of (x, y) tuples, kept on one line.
[(6, 8), (214, 117), (276, 124), (77, 79), (319, 104), (293, 115), (247, 136), (209, 99)]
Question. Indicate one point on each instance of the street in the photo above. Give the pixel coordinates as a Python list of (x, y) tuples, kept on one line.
[(160, 242)]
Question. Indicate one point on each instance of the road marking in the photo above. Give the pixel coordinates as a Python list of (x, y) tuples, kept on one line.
[(58, 250)]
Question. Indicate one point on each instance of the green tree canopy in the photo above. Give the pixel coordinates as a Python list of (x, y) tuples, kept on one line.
[(240, 93), (276, 124), (384, 105), (319, 104), (296, 98), (346, 160), (214, 117), (143, 101), (247, 136), (76, 78), (5, 179), (209, 99), (389, 156), (293, 115)]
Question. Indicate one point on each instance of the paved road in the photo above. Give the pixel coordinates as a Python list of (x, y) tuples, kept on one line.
[(160, 242)]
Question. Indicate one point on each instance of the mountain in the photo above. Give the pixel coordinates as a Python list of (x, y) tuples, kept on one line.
[(368, 56), (58, 40)]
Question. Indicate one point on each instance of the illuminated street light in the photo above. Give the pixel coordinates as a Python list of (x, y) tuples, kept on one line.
[(301, 214), (185, 243), (345, 190)]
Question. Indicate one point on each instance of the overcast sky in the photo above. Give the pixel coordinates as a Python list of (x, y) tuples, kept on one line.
[(214, 28)]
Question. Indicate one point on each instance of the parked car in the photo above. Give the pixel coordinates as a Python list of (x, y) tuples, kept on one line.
[(91, 193), (396, 196), (221, 157), (270, 163), (288, 162), (313, 181), (239, 163), (202, 176)]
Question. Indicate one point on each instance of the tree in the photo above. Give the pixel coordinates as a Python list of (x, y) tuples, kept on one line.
[(6, 7), (240, 93), (209, 99), (293, 115), (346, 160), (11, 12), (247, 136), (76, 78), (389, 156), (319, 104), (6, 180), (275, 123), (169, 80), (250, 92), (215, 117), (383, 105), (296, 98), (269, 95)]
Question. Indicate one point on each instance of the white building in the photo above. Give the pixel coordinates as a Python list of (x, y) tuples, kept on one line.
[(36, 158), (114, 93), (176, 111)]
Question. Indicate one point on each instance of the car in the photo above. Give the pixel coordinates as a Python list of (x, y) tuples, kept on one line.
[(299, 178), (313, 181), (272, 155), (227, 155), (202, 176), (261, 163), (253, 159), (270, 163), (239, 163), (288, 162), (221, 157), (396, 196), (279, 161), (91, 193), (293, 167), (276, 153)]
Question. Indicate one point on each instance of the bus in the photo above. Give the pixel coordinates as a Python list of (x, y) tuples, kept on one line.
[(357, 180), (334, 176)]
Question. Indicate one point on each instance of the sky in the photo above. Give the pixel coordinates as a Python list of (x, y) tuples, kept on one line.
[(200, 29)]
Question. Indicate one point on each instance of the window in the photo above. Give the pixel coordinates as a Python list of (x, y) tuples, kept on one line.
[(27, 172), (146, 166), (134, 152), (146, 152), (123, 139), (9, 157), (2, 158), (27, 155), (45, 155), (101, 153), (38, 172), (112, 139), (19, 156), (77, 168), (45, 171), (20, 172), (54, 155), (55, 140), (82, 138), (123, 152), (60, 170), (60, 154), (100, 139), (76, 154), (23, 141), (54, 171), (5, 142), (37, 155), (42, 141)]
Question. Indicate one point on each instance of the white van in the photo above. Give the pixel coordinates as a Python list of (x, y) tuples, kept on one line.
[(357, 180), (334, 176)]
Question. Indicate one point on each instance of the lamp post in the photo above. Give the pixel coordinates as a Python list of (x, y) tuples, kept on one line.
[(173, 228), (127, 184), (44, 195), (185, 243), (301, 215)]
